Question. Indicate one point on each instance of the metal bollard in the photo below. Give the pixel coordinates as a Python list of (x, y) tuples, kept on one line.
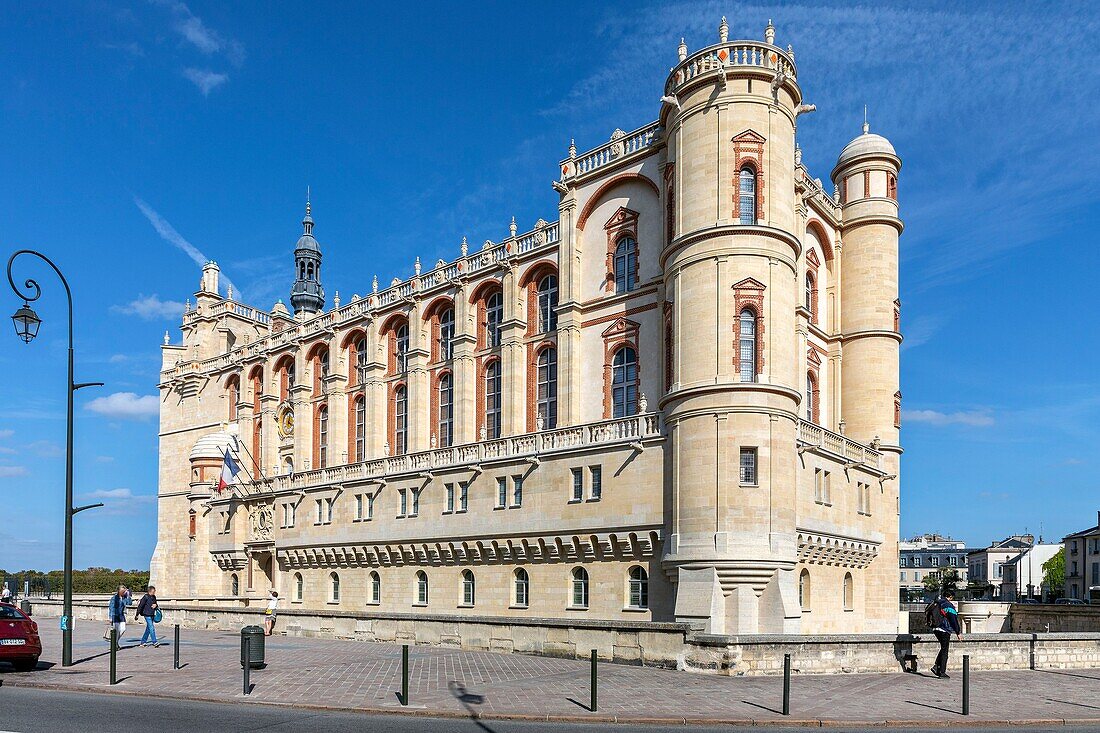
[(786, 684), (592, 702), (176, 649), (246, 655), (114, 654), (966, 684), (404, 674)]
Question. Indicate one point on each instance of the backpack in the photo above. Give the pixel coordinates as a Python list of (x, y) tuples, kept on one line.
[(933, 615)]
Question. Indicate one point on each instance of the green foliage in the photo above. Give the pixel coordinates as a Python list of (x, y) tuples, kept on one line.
[(942, 580), (92, 580), (1054, 573)]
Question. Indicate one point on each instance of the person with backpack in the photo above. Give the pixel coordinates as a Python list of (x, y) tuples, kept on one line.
[(147, 611), (943, 618)]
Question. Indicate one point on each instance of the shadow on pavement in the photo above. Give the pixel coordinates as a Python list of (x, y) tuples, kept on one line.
[(763, 707), (1069, 674), (934, 707), (468, 699), (1078, 704)]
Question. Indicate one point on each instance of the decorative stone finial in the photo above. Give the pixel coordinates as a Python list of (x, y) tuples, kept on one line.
[(643, 403), (836, 193), (572, 148), (336, 300), (512, 228), (440, 263), (723, 31), (465, 247), (187, 306), (797, 154), (167, 338), (229, 293), (682, 51), (416, 267), (386, 448), (866, 126), (540, 421), (769, 33), (433, 442), (482, 434), (790, 51), (841, 426), (395, 282), (374, 284)]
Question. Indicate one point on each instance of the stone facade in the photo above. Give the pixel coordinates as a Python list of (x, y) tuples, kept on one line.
[(678, 401)]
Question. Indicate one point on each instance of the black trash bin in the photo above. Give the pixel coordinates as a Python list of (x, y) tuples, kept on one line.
[(25, 606), (255, 647)]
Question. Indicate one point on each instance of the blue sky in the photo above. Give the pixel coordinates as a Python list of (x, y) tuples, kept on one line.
[(133, 131)]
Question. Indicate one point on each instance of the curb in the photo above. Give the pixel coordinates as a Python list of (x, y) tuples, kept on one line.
[(959, 722)]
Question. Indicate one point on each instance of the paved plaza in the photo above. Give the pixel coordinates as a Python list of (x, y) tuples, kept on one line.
[(352, 675)]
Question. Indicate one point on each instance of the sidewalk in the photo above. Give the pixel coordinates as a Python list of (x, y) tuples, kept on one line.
[(367, 676)]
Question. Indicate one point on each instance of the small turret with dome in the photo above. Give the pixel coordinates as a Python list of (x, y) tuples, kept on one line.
[(307, 296)]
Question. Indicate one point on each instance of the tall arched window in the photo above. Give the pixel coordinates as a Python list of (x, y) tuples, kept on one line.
[(400, 420), (747, 193), (360, 429), (375, 587), (291, 376), (522, 587), (639, 587), (849, 592), (322, 372), (811, 398), (322, 436), (811, 285), (492, 400), (361, 360), (624, 383), (747, 345), (334, 587), (548, 304), (467, 588), (446, 411), (299, 586), (421, 588), (494, 315), (447, 334), (234, 585), (626, 265), (233, 394), (580, 588), (804, 590), (401, 348), (548, 388)]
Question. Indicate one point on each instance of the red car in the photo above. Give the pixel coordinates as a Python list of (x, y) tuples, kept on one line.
[(19, 642)]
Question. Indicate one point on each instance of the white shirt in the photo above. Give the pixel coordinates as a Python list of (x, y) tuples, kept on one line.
[(272, 604)]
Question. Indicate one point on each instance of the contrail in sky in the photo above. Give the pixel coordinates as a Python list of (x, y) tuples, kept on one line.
[(169, 234)]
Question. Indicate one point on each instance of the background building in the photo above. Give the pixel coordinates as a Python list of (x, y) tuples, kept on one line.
[(1022, 576), (1083, 563), (987, 564), (929, 553), (677, 400)]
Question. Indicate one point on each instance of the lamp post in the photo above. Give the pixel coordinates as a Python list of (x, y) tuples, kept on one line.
[(26, 327)]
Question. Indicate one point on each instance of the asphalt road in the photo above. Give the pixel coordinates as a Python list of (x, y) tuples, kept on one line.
[(24, 710)]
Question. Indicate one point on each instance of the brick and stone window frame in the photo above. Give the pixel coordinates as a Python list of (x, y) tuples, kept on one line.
[(622, 333), (813, 384), (440, 315), (490, 367), (232, 395), (535, 399), (355, 346), (897, 409), (669, 347), (813, 264), (256, 378), (397, 409), (320, 364), (892, 186), (285, 373), (357, 428), (442, 410), (748, 296), (395, 332), (622, 245), (481, 299), (540, 283), (322, 438), (670, 202), (748, 152)]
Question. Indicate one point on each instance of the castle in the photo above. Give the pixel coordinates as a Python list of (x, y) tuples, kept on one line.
[(678, 400)]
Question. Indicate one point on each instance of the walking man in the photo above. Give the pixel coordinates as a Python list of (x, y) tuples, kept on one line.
[(947, 623), (146, 610)]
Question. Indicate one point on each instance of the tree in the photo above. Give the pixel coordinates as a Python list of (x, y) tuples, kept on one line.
[(1054, 573), (942, 580)]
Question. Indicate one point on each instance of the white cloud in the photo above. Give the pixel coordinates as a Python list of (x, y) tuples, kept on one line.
[(10, 471), (207, 40), (149, 308), (120, 502), (206, 80), (126, 406), (974, 418), (7, 433), (4, 450), (169, 234), (46, 449), (118, 358), (104, 459), (920, 331)]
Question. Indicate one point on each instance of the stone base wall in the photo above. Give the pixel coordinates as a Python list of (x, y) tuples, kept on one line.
[(672, 646), (1042, 618)]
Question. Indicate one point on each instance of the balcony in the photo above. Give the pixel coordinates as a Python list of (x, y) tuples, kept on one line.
[(814, 437)]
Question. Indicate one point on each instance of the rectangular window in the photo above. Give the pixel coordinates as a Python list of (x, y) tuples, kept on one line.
[(370, 506), (404, 502), (578, 484), (463, 496), (358, 507), (596, 475), (502, 492), (934, 561), (916, 577), (916, 561), (748, 466), (902, 576), (329, 504), (450, 506), (415, 502), (1096, 573), (320, 511), (517, 491)]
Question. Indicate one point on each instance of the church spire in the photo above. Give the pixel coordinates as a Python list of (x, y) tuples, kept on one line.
[(306, 295)]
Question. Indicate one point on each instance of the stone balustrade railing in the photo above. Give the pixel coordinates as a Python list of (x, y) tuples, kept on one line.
[(724, 55), (527, 446), (849, 450), (620, 146)]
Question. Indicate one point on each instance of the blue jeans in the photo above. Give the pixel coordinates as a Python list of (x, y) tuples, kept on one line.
[(150, 634)]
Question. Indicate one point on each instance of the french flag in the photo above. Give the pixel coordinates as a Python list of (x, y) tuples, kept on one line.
[(230, 469)]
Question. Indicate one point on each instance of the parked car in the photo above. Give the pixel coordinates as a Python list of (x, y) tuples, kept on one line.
[(1070, 602), (19, 641), (1034, 601)]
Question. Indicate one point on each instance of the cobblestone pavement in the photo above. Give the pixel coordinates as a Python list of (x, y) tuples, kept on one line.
[(367, 676)]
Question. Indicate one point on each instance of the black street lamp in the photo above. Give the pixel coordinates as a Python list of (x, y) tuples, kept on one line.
[(26, 327)]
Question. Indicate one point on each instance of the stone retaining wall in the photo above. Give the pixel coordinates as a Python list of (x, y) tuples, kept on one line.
[(668, 645), (1036, 618)]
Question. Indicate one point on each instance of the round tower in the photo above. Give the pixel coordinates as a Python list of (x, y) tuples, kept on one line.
[(306, 295), (730, 278)]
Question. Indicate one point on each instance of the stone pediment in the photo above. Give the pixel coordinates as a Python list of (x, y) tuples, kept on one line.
[(623, 217), (811, 258), (749, 283), (748, 136), (621, 326)]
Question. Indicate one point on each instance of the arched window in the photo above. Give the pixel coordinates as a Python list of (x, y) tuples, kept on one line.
[(361, 360), (322, 372), (626, 265), (291, 376), (299, 587), (233, 394), (446, 411), (494, 315), (811, 398), (747, 345), (421, 588), (548, 304), (334, 587), (849, 592), (400, 420), (375, 588), (624, 383), (639, 587), (360, 429), (580, 588), (522, 587), (747, 193), (492, 400), (447, 334), (548, 388), (811, 285), (322, 436), (401, 348), (234, 585), (467, 588), (804, 590)]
